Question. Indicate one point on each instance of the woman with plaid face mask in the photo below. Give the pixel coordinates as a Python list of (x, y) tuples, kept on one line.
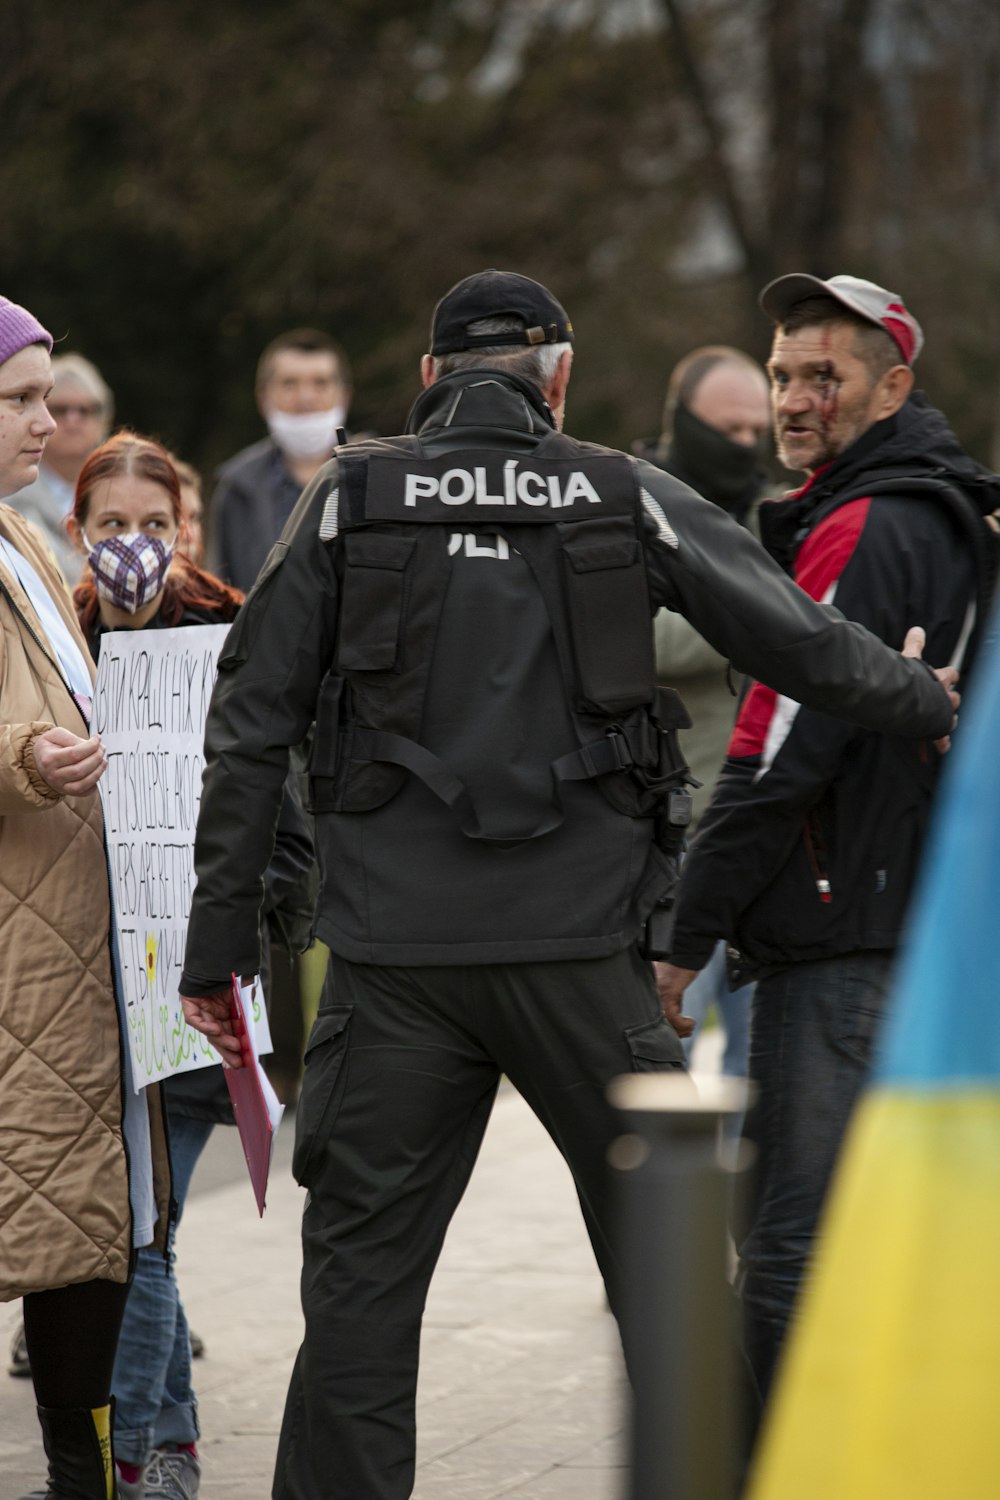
[(128, 518)]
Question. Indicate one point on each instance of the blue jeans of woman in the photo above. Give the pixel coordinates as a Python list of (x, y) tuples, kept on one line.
[(812, 1039), (152, 1378)]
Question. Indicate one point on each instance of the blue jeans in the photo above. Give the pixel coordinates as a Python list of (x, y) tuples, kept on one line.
[(812, 1040), (731, 1006), (152, 1378)]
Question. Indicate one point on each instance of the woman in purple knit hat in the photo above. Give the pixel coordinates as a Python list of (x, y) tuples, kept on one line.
[(83, 1169)]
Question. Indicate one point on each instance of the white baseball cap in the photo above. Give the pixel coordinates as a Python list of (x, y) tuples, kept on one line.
[(869, 301)]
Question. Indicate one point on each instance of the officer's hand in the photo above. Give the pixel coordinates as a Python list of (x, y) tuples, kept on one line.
[(212, 1015), (914, 644), (68, 764), (671, 983)]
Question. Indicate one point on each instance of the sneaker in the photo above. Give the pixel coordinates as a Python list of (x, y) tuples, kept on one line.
[(129, 1489), (20, 1366), (171, 1474)]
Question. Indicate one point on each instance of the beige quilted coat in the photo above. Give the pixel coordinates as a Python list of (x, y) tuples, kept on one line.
[(64, 1207)]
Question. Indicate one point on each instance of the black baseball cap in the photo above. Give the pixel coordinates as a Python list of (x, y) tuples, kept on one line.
[(495, 294)]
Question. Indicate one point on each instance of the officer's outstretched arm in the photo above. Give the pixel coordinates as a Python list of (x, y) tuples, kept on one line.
[(703, 564)]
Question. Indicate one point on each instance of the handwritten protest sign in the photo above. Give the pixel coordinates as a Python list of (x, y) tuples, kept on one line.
[(150, 703)]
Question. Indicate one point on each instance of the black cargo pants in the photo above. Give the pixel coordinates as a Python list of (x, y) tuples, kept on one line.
[(402, 1068)]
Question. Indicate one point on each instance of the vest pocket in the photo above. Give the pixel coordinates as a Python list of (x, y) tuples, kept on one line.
[(371, 608), (322, 1089), (609, 613)]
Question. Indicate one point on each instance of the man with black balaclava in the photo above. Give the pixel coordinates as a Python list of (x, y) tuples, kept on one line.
[(716, 420)]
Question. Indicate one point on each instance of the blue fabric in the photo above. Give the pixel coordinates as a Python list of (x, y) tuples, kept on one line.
[(732, 1007), (930, 1040), (152, 1376), (811, 1046)]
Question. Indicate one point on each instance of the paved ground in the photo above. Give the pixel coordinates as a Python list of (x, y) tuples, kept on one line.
[(521, 1391)]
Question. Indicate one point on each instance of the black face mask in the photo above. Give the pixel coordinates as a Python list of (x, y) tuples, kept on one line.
[(723, 471)]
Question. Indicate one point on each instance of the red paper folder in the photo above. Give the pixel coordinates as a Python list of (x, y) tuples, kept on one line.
[(254, 1105)]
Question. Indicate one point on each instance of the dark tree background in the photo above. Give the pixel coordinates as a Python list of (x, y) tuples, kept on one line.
[(181, 181)]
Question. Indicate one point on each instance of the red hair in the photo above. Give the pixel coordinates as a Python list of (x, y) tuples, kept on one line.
[(187, 586)]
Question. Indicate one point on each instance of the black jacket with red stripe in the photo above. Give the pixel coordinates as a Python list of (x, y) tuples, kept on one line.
[(810, 846)]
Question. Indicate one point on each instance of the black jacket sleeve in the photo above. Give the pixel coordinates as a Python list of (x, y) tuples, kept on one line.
[(703, 564), (273, 661)]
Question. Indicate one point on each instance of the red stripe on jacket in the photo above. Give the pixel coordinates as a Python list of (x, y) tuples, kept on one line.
[(821, 561)]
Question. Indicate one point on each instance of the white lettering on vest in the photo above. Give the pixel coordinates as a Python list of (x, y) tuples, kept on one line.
[(483, 497), (510, 498), (459, 486), (579, 484), (538, 497), (465, 481), (419, 486), (478, 546)]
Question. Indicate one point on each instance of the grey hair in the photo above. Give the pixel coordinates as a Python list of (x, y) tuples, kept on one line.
[(73, 369), (536, 364)]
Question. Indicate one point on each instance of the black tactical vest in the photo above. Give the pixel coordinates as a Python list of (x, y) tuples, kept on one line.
[(573, 513)]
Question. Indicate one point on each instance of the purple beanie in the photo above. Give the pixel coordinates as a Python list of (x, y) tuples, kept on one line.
[(18, 329)]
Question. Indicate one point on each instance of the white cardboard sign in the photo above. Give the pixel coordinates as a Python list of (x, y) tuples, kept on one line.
[(150, 703)]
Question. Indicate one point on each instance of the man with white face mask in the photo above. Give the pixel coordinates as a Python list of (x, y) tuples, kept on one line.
[(303, 394)]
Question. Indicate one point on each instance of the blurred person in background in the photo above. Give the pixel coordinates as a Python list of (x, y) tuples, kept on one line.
[(716, 424), (303, 394), (84, 1176), (191, 542), (129, 510), (83, 408)]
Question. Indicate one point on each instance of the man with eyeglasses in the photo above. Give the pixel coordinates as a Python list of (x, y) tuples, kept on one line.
[(83, 408)]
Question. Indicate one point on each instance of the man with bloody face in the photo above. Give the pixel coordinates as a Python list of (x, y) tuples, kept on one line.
[(806, 857)]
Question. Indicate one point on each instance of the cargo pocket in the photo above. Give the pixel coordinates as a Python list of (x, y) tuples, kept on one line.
[(609, 612), (655, 1047), (371, 608), (323, 1084)]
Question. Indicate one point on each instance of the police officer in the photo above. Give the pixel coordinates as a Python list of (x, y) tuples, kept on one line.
[(465, 613)]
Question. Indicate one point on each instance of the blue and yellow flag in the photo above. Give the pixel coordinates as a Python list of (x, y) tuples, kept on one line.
[(891, 1387)]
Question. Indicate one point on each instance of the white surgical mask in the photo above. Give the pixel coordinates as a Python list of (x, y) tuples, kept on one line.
[(305, 435)]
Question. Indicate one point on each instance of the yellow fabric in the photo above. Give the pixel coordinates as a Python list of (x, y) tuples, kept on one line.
[(891, 1388), (101, 1416)]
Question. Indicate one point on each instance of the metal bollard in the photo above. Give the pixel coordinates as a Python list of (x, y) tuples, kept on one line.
[(677, 1308)]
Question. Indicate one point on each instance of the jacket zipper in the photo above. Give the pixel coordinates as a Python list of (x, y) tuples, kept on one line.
[(814, 844)]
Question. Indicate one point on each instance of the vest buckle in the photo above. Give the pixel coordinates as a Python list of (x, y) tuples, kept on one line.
[(620, 748)]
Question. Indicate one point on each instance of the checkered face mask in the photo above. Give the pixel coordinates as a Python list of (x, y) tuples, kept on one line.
[(129, 571)]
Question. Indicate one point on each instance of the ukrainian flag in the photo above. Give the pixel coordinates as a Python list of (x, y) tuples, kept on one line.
[(891, 1387)]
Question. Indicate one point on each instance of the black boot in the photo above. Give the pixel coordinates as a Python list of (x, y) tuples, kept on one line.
[(78, 1448)]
